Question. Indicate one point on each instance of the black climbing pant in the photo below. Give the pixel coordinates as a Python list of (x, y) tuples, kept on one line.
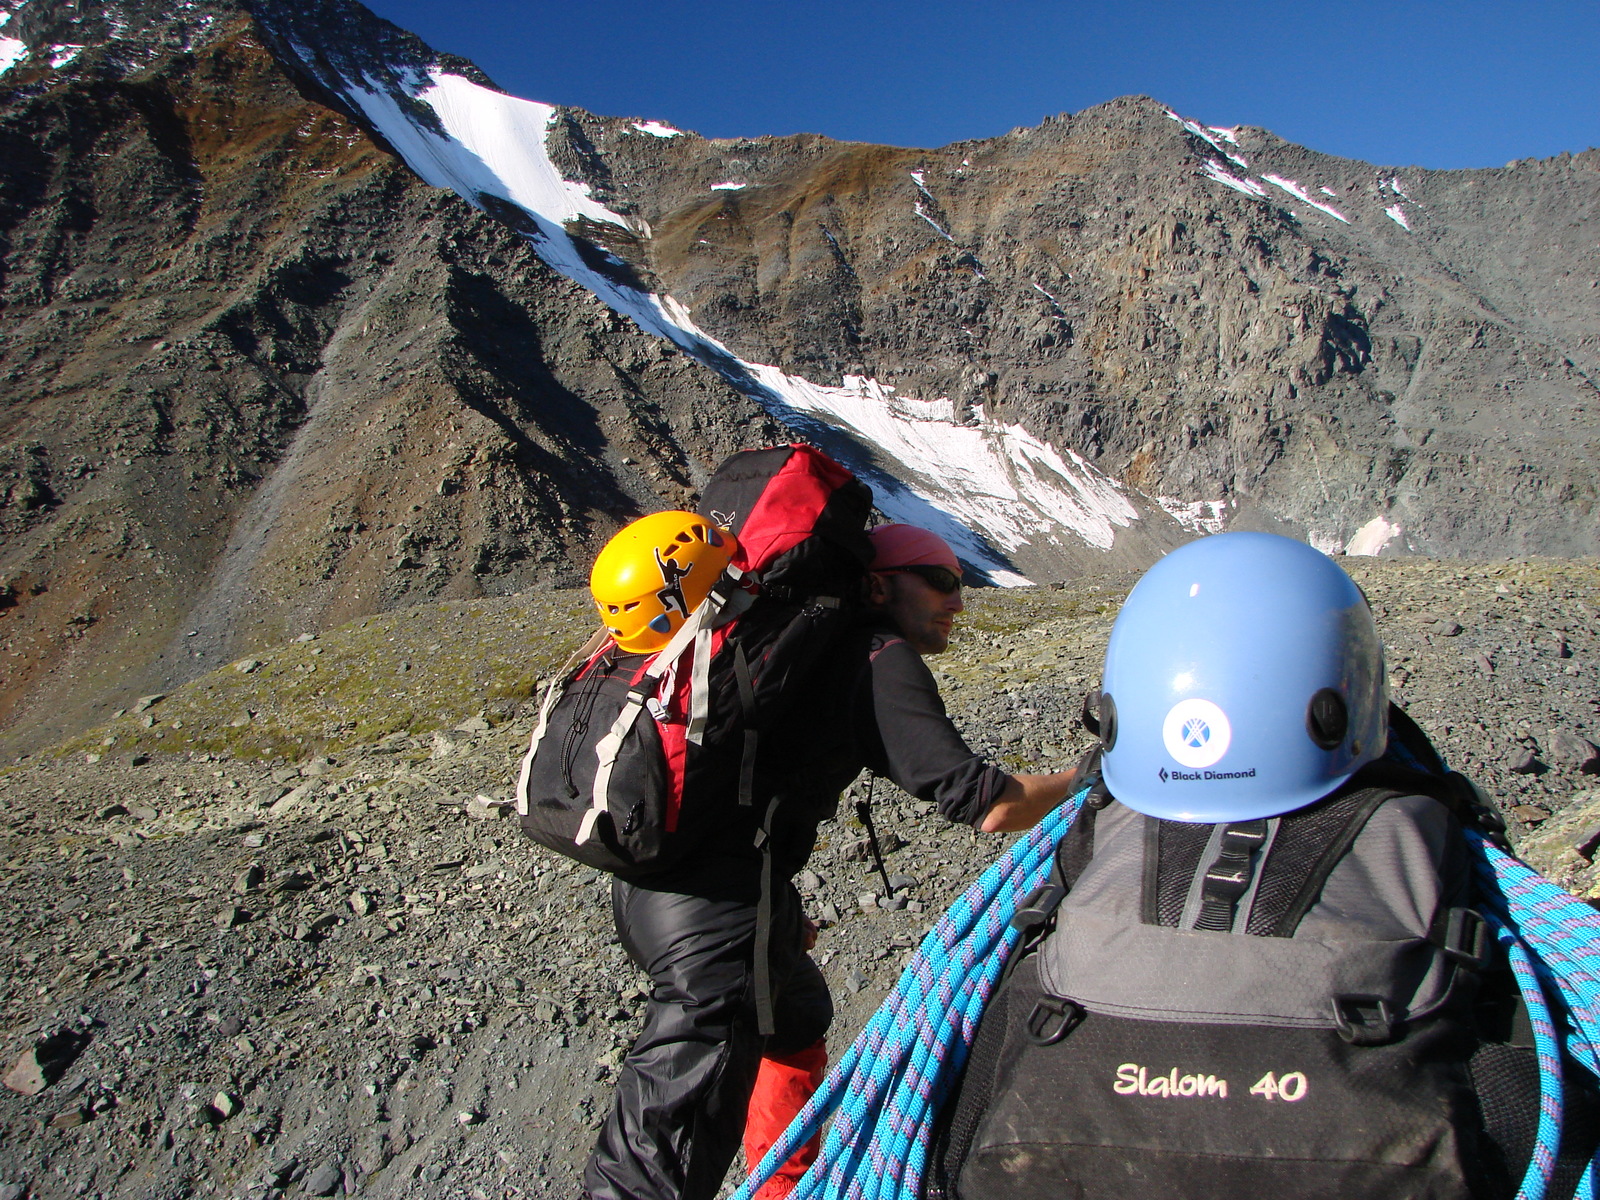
[(680, 1099)]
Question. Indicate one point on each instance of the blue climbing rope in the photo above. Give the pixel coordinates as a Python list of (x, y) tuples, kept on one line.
[(1547, 1144), (1559, 939), (885, 1089)]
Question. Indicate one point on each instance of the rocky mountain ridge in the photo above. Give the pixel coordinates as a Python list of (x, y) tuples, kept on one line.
[(259, 379)]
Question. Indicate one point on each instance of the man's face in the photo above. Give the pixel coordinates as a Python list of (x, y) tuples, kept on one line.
[(923, 614)]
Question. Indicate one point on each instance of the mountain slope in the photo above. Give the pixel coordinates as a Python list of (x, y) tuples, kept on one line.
[(258, 376), (258, 379)]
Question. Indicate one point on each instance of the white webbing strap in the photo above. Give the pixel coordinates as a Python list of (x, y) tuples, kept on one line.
[(610, 746), (726, 601), (552, 693)]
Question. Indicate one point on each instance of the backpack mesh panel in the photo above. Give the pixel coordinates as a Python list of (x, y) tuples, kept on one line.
[(1303, 839), (1180, 846)]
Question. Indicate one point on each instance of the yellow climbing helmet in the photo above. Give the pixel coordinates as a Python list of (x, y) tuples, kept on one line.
[(654, 573)]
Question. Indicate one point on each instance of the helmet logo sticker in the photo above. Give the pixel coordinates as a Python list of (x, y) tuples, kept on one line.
[(672, 575), (1196, 732)]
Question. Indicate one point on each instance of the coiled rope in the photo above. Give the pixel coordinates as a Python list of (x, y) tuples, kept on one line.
[(1558, 937), (886, 1088)]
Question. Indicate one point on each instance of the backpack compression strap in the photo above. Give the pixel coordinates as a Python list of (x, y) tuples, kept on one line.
[(552, 693)]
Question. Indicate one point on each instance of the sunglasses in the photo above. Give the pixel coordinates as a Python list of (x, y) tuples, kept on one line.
[(941, 579)]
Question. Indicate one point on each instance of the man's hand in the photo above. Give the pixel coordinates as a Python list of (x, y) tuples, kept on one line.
[(1026, 800)]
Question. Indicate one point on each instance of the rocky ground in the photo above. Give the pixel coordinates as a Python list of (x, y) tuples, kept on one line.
[(274, 933)]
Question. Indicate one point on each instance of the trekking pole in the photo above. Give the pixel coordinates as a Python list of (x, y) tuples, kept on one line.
[(864, 815)]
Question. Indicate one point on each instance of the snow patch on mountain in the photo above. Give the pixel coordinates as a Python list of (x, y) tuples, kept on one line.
[(1398, 215), (1205, 134), (1373, 538), (1197, 516), (1300, 194), (487, 152), (922, 208), (657, 129), (11, 51), (727, 187), (1215, 170), (955, 476)]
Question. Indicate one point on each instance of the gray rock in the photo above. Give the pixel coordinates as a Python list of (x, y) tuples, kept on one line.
[(46, 1061), (867, 901), (325, 1178), (12, 1191), (484, 808), (144, 702), (231, 916), (248, 880), (808, 881), (291, 799), (855, 980), (1587, 840), (1522, 761), (315, 929), (1571, 752)]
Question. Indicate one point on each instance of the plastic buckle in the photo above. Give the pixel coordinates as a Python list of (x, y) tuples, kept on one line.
[(1466, 938), (1052, 1018), (1364, 1020), (1040, 905), (1227, 885)]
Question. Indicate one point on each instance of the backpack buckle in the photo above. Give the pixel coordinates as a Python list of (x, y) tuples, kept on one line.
[(1039, 906), (1364, 1020), (1466, 938), (1052, 1018)]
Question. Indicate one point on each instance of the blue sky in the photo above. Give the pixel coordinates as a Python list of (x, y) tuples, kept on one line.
[(1465, 84)]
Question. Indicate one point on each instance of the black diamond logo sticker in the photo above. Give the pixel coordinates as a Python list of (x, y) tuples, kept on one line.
[(1163, 774)]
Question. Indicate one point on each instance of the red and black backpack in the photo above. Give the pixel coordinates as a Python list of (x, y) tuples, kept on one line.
[(636, 756)]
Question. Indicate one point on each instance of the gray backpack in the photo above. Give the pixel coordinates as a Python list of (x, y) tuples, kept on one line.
[(1301, 1006)]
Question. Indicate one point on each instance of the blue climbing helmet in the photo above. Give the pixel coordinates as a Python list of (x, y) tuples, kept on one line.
[(1244, 679)]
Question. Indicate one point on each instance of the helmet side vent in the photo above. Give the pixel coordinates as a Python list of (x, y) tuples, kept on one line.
[(1327, 719)]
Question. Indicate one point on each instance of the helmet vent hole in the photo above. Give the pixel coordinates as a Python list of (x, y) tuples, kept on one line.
[(629, 606), (1327, 719)]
